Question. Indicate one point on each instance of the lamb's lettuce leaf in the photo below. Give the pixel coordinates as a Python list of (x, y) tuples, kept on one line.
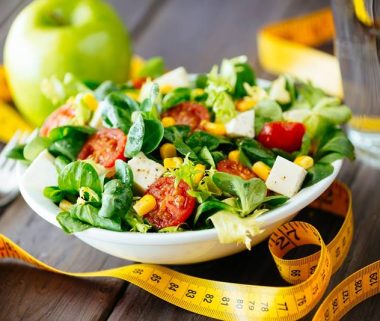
[(116, 199), (79, 174), (251, 193)]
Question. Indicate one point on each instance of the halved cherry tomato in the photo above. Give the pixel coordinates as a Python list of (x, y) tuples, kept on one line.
[(105, 147), (174, 205), (188, 113), (60, 117), (283, 135), (235, 168)]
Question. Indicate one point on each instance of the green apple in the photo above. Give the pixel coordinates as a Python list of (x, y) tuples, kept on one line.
[(53, 37)]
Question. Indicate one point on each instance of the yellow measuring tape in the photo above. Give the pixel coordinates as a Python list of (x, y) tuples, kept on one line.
[(283, 47), (288, 47), (228, 301)]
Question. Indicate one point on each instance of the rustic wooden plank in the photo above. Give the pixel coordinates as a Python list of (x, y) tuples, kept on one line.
[(200, 34), (208, 42), (29, 294), (33, 295)]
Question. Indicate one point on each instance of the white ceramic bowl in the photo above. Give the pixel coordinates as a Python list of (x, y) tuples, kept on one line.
[(161, 248)]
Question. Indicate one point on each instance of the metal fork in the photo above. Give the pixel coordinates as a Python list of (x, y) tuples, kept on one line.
[(8, 176)]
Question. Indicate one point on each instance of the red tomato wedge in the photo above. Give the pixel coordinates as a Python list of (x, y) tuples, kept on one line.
[(105, 147), (235, 168), (188, 113), (283, 135), (174, 205), (60, 117)]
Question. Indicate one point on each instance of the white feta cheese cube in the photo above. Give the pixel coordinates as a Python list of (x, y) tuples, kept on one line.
[(297, 115), (145, 171), (285, 177), (145, 90), (97, 120), (243, 125), (278, 91), (175, 78)]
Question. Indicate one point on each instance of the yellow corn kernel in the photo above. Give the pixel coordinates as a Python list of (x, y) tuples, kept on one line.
[(173, 162), (165, 89), (198, 92), (133, 94), (261, 170), (168, 150), (304, 161), (245, 104), (214, 128), (200, 168), (90, 100), (136, 65), (168, 121), (145, 204), (234, 155), (5, 93), (65, 205)]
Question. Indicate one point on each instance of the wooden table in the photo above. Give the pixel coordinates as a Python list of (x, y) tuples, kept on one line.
[(195, 34)]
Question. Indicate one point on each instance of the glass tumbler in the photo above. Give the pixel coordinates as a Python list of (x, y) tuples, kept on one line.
[(357, 46)]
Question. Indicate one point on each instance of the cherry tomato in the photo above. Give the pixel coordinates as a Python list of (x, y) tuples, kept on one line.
[(105, 147), (235, 168), (174, 205), (60, 117), (138, 83), (188, 113), (283, 135)]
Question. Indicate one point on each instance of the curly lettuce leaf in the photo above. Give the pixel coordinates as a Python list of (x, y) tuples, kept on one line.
[(233, 229), (58, 91)]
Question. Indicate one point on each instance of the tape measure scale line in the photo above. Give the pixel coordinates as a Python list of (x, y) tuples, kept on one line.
[(229, 301)]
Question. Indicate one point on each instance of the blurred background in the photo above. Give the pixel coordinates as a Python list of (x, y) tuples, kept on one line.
[(219, 28)]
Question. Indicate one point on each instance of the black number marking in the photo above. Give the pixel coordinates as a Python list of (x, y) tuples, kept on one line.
[(312, 269), (301, 301), (335, 305), (138, 271), (173, 286), (346, 296), (264, 306), (295, 273), (155, 278), (191, 293), (282, 242), (251, 305), (239, 304), (373, 278), (282, 306), (327, 315), (315, 289), (337, 251), (293, 231), (358, 286), (208, 298), (225, 301)]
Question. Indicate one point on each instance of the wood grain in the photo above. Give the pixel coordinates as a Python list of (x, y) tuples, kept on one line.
[(195, 34)]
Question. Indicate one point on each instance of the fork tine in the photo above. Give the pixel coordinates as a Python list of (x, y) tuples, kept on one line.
[(12, 143), (8, 166)]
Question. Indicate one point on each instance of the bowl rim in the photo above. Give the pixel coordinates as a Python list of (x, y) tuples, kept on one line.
[(293, 205)]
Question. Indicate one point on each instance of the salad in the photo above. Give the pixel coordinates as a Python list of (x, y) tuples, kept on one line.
[(171, 152)]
